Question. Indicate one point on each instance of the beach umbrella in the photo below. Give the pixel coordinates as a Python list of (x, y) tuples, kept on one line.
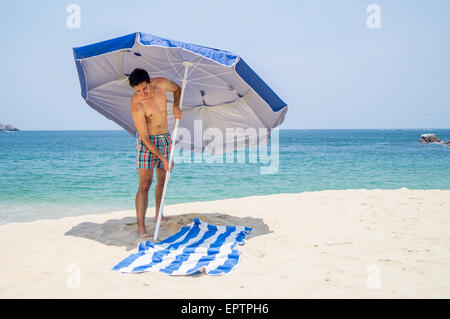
[(226, 105)]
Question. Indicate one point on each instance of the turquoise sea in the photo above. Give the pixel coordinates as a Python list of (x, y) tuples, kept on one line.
[(53, 174)]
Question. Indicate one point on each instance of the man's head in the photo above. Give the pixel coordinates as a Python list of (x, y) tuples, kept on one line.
[(140, 82)]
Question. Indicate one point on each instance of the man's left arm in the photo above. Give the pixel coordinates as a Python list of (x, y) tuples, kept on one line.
[(170, 86)]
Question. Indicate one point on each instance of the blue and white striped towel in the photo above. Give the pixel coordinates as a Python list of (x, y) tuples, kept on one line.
[(196, 247)]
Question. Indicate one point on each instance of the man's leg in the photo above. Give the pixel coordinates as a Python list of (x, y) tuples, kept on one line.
[(160, 179), (145, 181)]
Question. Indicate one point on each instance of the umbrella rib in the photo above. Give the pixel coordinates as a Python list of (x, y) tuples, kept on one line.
[(209, 85), (156, 61), (209, 76), (215, 65), (195, 66), (212, 75), (164, 72), (169, 57), (180, 58), (153, 66)]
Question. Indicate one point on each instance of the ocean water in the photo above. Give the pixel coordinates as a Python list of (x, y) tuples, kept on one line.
[(54, 174)]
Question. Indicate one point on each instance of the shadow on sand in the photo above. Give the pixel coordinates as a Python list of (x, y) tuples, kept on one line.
[(123, 232)]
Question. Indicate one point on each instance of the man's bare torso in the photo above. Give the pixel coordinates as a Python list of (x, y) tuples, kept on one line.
[(155, 110)]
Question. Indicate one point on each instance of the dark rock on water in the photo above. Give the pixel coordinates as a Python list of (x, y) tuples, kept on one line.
[(431, 138), (7, 128)]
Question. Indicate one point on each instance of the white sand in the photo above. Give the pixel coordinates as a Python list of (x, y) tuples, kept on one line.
[(328, 244)]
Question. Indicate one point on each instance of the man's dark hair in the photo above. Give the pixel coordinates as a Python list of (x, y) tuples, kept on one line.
[(138, 76)]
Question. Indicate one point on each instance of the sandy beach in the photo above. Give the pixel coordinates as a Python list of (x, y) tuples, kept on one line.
[(327, 244)]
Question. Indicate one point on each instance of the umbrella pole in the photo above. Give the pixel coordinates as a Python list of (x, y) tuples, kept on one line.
[(186, 65)]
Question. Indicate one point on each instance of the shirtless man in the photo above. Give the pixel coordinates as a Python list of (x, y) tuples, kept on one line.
[(149, 111)]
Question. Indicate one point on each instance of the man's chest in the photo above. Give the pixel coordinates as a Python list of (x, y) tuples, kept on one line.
[(154, 106)]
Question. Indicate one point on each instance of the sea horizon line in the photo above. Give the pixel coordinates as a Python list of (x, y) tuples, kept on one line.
[(281, 129)]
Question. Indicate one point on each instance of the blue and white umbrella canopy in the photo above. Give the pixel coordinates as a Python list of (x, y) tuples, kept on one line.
[(222, 91)]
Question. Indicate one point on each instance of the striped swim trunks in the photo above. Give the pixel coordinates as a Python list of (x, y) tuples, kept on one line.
[(148, 160)]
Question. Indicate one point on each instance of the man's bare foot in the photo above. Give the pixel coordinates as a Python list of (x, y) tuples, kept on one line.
[(163, 219), (145, 235)]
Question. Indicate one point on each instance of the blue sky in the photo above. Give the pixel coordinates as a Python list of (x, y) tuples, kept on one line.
[(318, 56)]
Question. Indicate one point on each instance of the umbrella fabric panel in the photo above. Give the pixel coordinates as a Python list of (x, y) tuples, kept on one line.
[(101, 70), (99, 48), (82, 54), (268, 117), (220, 56), (259, 86), (82, 79), (194, 248), (220, 128), (113, 101)]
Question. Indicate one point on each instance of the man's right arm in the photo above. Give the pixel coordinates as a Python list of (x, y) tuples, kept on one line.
[(141, 126)]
